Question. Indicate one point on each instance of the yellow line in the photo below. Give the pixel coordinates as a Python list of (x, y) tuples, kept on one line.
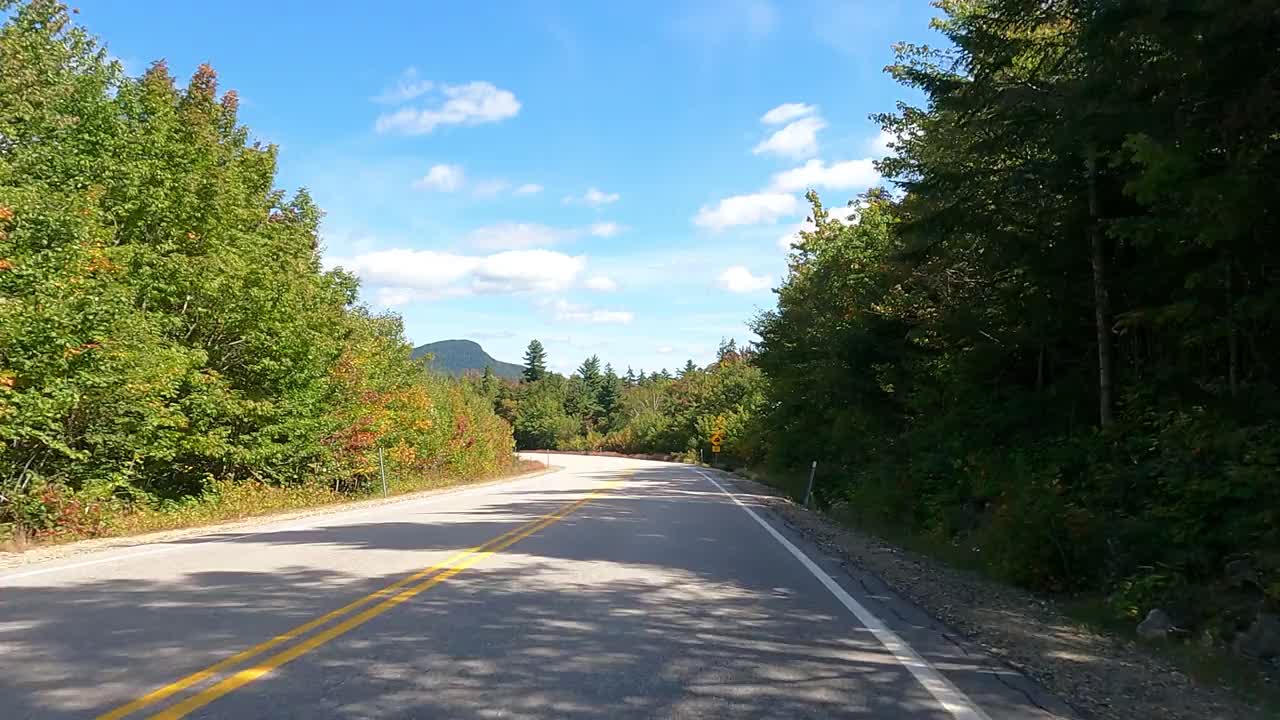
[(265, 667), (195, 678)]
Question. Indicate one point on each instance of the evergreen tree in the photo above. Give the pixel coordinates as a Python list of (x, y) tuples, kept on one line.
[(535, 362), (688, 368)]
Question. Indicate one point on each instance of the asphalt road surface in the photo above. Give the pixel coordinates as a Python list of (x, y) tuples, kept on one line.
[(611, 588)]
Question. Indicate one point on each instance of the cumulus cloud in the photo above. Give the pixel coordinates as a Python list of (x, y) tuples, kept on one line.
[(528, 189), (605, 229), (787, 112), (847, 175), (882, 144), (408, 87), (753, 209), (845, 215), (472, 103), (401, 274), (593, 197), (569, 312), (798, 139), (738, 279), (601, 282), (517, 236), (441, 177)]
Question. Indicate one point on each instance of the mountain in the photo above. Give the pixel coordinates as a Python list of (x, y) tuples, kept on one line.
[(456, 357)]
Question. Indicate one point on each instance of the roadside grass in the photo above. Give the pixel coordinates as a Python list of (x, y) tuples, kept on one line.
[(1209, 665), (231, 501)]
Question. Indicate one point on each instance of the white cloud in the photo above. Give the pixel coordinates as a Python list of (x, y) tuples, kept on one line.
[(754, 209), (528, 189), (408, 87), (516, 236), (845, 215), (881, 145), (739, 279), (846, 175), (602, 283), (570, 312), (787, 112), (391, 297), (470, 104), (665, 350), (445, 178), (489, 188), (605, 229), (593, 197), (798, 139), (400, 274)]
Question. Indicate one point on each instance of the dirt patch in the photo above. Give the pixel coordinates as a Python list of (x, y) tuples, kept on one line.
[(1100, 676)]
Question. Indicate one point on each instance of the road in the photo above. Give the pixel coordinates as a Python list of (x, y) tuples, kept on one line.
[(611, 588)]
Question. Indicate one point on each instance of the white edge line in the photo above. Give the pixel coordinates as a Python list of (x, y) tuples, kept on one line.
[(168, 548), (949, 696)]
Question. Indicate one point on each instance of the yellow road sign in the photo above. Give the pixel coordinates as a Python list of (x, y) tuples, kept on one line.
[(715, 447)]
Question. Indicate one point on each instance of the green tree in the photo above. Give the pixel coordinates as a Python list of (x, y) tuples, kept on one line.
[(535, 362)]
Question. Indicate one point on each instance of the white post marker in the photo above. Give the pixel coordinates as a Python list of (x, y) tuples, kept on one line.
[(950, 697), (808, 491)]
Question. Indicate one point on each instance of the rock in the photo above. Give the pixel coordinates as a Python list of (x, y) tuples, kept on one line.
[(1156, 626), (1262, 640), (1240, 573)]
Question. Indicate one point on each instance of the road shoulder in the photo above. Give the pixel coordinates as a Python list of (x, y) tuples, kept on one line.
[(16, 562), (1099, 676)]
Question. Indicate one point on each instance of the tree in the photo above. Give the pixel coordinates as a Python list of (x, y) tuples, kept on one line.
[(688, 368), (535, 362), (609, 396), (630, 378)]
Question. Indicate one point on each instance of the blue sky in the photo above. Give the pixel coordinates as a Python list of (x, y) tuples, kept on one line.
[(611, 178)]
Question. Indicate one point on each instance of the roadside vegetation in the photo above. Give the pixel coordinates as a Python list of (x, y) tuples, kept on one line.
[(169, 342), (1048, 347)]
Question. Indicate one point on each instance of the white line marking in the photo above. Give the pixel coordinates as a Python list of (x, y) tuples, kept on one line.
[(949, 696), (193, 541)]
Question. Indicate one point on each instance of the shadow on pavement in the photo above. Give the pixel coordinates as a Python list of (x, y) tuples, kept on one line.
[(659, 599)]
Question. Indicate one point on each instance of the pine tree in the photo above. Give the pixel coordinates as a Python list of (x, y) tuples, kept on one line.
[(535, 362), (688, 368)]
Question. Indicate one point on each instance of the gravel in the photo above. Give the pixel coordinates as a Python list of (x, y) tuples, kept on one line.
[(1100, 676)]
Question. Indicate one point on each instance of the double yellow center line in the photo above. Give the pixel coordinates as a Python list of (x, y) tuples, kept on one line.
[(390, 596)]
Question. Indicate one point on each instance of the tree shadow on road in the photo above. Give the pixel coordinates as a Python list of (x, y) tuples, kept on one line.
[(658, 599)]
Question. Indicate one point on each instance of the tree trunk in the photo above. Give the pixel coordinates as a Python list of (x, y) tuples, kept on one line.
[(1101, 296), (1233, 341)]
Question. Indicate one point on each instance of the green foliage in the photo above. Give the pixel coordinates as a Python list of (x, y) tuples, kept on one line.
[(535, 362), (940, 353), (596, 410), (165, 324)]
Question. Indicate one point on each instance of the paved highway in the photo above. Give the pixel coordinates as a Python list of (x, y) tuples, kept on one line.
[(611, 588)]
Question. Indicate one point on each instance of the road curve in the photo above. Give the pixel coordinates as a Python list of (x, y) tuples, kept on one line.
[(611, 588)]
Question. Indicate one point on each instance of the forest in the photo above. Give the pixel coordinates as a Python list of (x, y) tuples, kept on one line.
[(168, 337), (1046, 346)]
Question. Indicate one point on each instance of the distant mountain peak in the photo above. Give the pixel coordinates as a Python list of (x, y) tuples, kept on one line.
[(460, 356)]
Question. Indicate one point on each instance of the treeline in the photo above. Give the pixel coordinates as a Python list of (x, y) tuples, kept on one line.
[(1053, 347), (166, 327), (596, 409)]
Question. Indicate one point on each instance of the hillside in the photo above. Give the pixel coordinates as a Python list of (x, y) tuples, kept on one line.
[(456, 357)]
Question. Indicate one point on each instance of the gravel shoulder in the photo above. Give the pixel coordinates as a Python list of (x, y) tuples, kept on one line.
[(37, 554), (1100, 676)]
